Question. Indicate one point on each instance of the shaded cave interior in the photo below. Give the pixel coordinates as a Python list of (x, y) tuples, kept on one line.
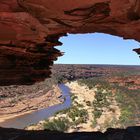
[(28, 35)]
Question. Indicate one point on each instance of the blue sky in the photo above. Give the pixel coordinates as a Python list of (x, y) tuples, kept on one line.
[(98, 48)]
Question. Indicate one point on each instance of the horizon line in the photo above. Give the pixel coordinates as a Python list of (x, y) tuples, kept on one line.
[(96, 64)]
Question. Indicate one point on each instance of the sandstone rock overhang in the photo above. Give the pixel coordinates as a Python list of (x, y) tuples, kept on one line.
[(29, 30)]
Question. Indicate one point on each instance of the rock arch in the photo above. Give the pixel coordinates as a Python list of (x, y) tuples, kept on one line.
[(29, 30)]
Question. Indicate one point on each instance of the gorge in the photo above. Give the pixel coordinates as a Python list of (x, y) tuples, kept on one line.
[(22, 121)]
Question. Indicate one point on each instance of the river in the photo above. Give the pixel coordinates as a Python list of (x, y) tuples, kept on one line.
[(21, 122)]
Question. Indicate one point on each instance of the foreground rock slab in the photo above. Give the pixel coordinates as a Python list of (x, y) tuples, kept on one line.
[(131, 133)]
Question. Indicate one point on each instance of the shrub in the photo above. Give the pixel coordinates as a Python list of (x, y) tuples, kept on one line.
[(125, 116), (97, 114), (60, 124)]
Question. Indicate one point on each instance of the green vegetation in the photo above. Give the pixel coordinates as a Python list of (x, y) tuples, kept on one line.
[(95, 82), (59, 78), (130, 72), (73, 97), (76, 115), (125, 114), (128, 100), (60, 124), (97, 113), (101, 101), (130, 105)]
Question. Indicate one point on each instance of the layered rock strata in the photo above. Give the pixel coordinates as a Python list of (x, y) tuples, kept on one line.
[(29, 30)]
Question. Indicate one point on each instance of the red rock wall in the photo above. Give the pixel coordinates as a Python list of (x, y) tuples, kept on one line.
[(29, 30)]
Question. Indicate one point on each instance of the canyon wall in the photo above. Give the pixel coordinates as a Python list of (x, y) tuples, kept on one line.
[(30, 29)]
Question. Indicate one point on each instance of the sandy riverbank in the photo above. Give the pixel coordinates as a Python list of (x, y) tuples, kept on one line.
[(84, 94), (7, 117), (28, 106)]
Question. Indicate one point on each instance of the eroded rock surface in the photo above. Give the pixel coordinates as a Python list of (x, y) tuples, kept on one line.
[(29, 30)]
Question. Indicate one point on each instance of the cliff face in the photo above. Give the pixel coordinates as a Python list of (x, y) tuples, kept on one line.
[(29, 30)]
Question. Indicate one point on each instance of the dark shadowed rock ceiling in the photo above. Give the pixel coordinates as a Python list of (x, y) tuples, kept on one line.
[(29, 30)]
